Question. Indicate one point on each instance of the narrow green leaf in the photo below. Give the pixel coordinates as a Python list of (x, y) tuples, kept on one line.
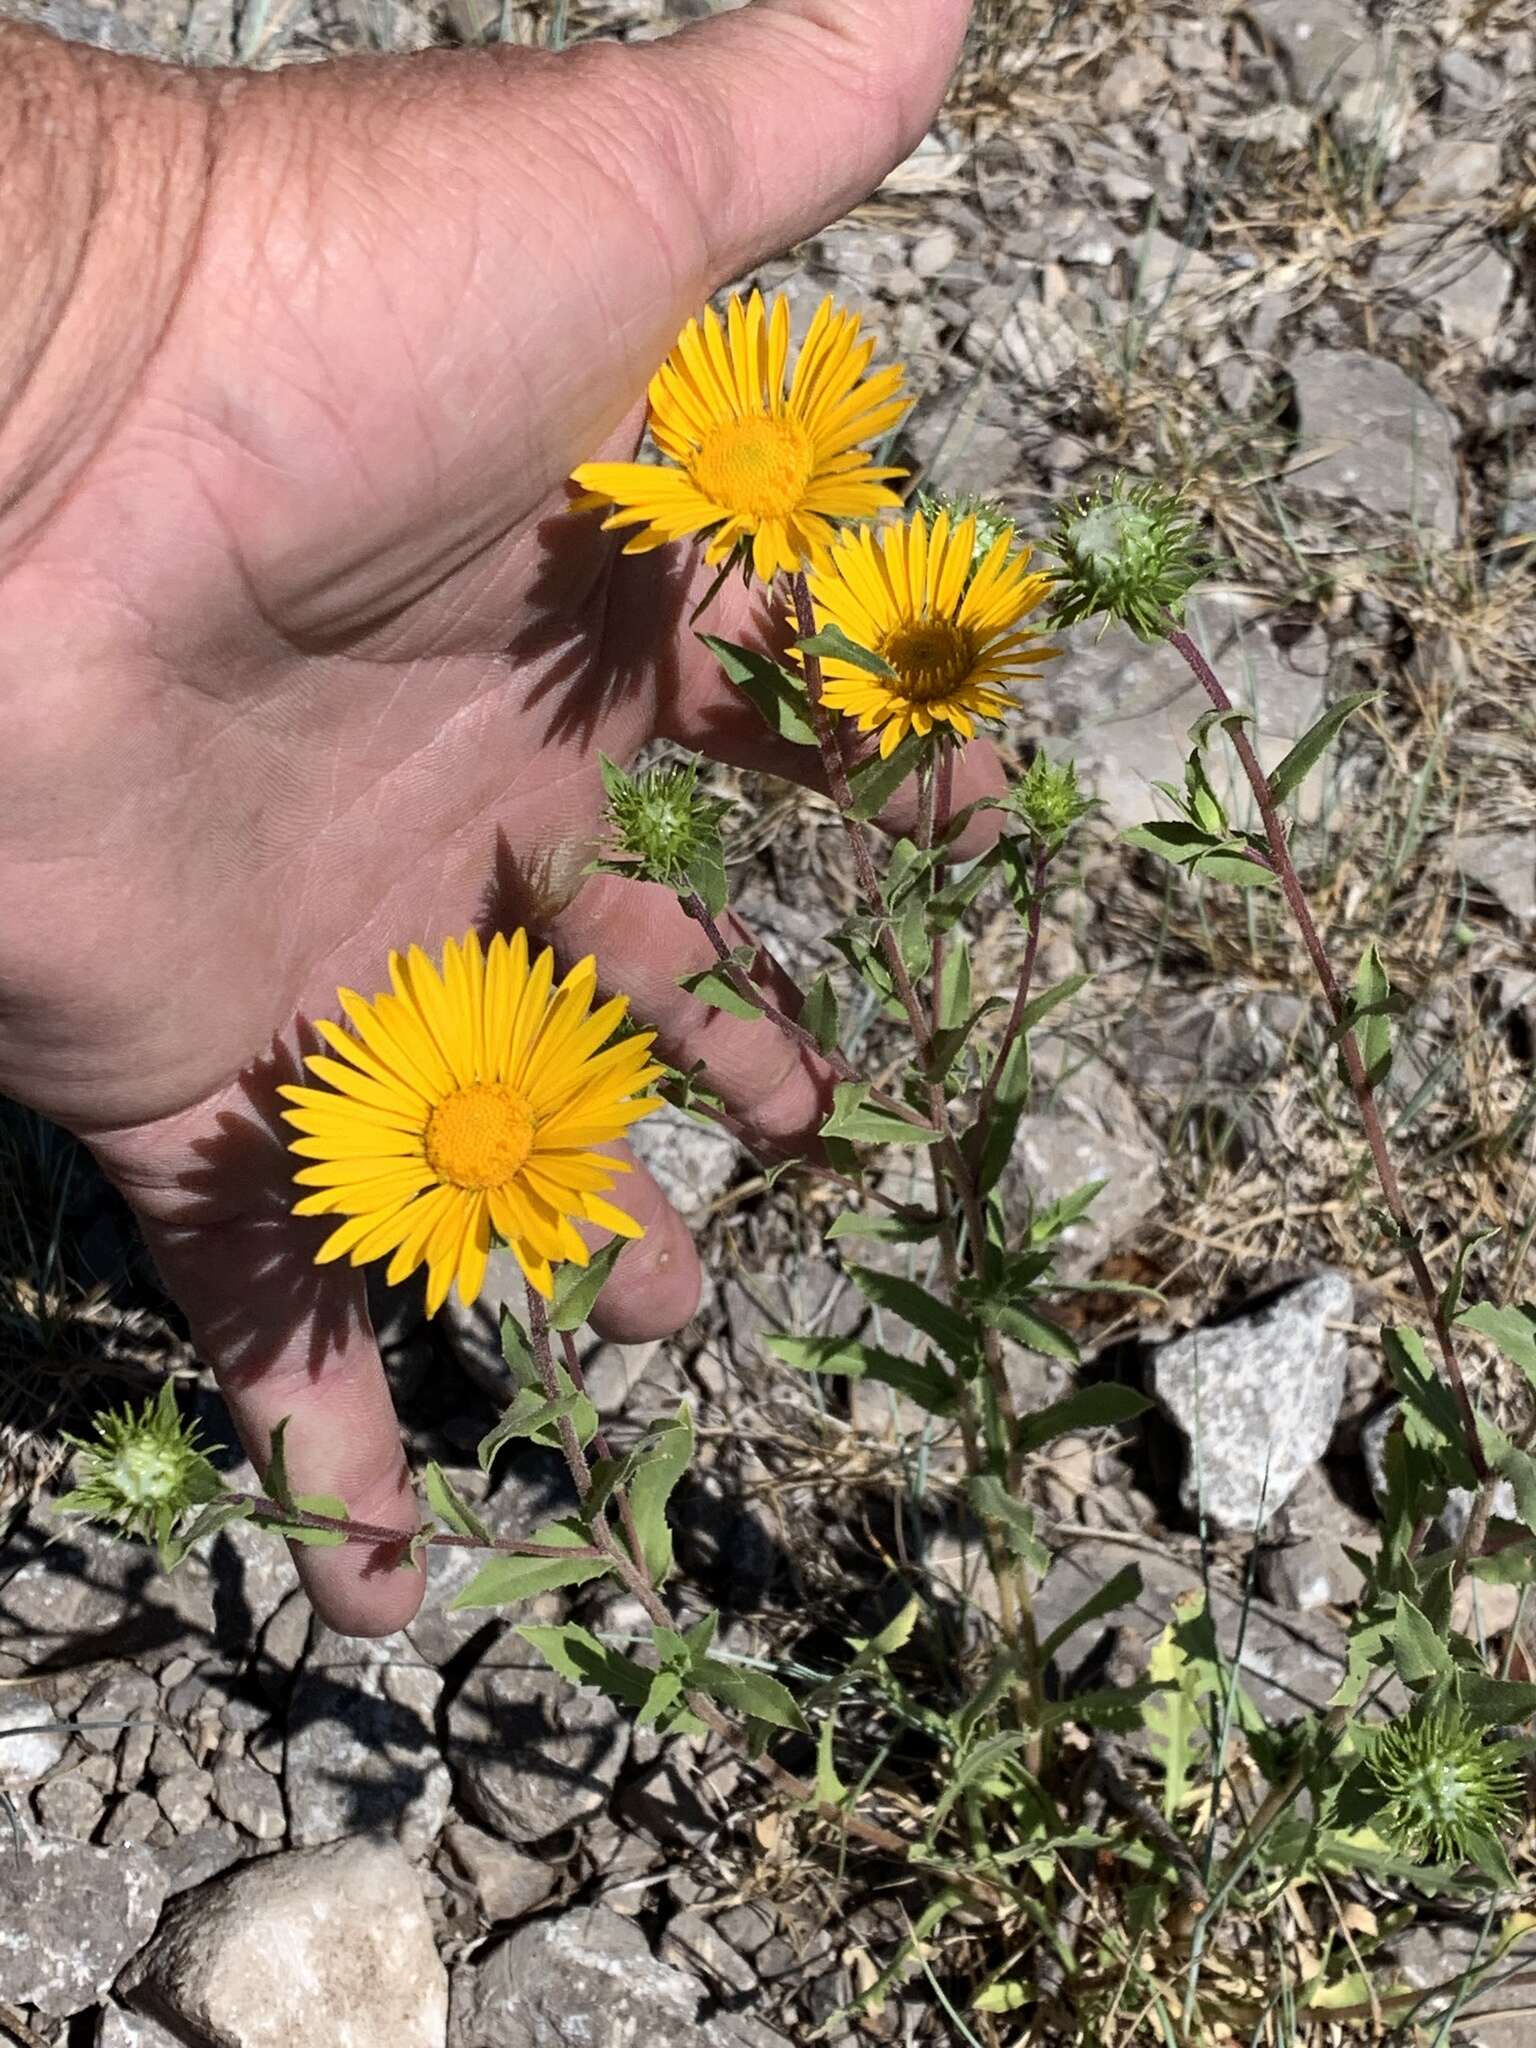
[(516, 1351), (1119, 1708), (859, 1121), (921, 1380), (274, 1481), (529, 1416), (450, 1506), (577, 1287), (1370, 1014), (882, 1224), (1511, 1330), (819, 1014), (1417, 1647), (955, 987), (576, 1654), (1012, 1092), (830, 1789), (1313, 744), (206, 1522), (752, 1693), (994, 1503), (1236, 865), (833, 644), (1027, 1326), (1048, 1224), (1116, 1592), (875, 781), (1450, 1294), (652, 1485), (778, 695), (331, 1505), (503, 1580), (666, 1690), (896, 1634), (1104, 1406), (714, 987), (1036, 1011), (1431, 1418), (705, 874), (1172, 839), (952, 1332)]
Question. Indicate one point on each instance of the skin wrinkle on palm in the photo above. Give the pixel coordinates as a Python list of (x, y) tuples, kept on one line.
[(425, 556)]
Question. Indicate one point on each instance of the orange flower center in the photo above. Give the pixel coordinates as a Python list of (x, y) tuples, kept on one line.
[(479, 1136), (933, 657), (756, 468)]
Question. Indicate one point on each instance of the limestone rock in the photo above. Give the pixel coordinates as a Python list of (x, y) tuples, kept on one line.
[(507, 1885), (330, 1944), (1325, 45), (120, 2028), (82, 1590), (250, 1797), (362, 1750), (1374, 440), (530, 1753), (1256, 1399), (588, 1977), (32, 1740), (1503, 863), (1308, 1565), (70, 1917)]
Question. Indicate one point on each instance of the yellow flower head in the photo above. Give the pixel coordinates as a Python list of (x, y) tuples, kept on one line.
[(470, 1101), (747, 457), (950, 637)]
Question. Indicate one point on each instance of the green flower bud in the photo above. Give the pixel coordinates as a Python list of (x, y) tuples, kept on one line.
[(1048, 801), (1444, 1788), (991, 520), (142, 1469), (661, 825), (1131, 553)]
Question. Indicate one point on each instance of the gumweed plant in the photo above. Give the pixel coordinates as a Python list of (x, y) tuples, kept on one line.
[(469, 1106)]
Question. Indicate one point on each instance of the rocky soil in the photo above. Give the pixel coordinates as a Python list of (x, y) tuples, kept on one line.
[(1283, 254)]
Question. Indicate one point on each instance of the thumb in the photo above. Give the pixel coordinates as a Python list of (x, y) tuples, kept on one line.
[(786, 113)]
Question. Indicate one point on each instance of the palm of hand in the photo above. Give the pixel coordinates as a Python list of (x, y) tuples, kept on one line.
[(337, 668)]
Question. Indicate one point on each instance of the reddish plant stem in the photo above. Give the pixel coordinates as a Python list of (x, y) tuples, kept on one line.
[(273, 1512), (1015, 1022), (1360, 1086), (803, 1040)]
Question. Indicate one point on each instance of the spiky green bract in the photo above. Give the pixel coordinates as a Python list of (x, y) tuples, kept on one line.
[(142, 1469), (1048, 802), (1130, 552), (660, 821), (1446, 1791), (991, 520)]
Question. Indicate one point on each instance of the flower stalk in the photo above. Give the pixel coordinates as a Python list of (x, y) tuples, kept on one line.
[(1359, 1082)]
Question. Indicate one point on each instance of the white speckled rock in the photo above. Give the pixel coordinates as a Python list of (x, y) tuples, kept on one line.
[(31, 1740), (327, 1945), (70, 1917), (1260, 1392), (586, 1977)]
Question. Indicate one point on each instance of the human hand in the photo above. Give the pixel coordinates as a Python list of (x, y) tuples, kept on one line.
[(302, 657)]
